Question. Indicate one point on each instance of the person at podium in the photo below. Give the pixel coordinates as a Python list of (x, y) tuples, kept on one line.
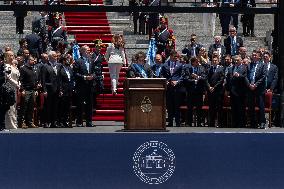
[(139, 69), (172, 71)]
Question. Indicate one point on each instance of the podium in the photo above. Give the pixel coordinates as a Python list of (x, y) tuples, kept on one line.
[(145, 104)]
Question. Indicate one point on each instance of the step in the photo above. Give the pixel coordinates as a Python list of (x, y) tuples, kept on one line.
[(107, 74), (113, 101), (110, 96), (89, 23), (123, 69), (87, 33), (109, 112), (108, 118)]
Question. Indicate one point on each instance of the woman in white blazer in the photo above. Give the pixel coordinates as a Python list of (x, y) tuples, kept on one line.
[(115, 57)]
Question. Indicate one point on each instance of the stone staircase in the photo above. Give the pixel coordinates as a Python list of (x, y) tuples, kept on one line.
[(185, 24), (8, 36)]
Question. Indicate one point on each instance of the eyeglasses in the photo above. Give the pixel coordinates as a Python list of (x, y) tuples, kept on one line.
[(232, 31)]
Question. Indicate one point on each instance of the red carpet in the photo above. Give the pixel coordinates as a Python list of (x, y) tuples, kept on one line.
[(86, 27)]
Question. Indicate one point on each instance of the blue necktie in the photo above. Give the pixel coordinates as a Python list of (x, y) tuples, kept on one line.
[(87, 64), (234, 48)]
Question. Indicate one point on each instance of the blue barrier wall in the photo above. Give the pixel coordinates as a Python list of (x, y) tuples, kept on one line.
[(105, 161)]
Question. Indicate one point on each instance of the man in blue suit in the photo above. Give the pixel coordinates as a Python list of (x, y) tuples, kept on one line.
[(85, 75), (194, 77), (172, 70), (256, 94), (237, 86)]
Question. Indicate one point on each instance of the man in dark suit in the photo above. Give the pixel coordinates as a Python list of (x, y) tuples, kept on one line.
[(156, 68), (233, 42), (237, 86), (172, 70), (20, 17), (57, 34), (215, 91), (217, 46), (271, 73), (50, 85), (85, 75), (194, 78), (161, 35), (34, 44), (256, 93), (66, 86), (39, 27), (153, 20), (225, 18), (192, 49), (248, 19)]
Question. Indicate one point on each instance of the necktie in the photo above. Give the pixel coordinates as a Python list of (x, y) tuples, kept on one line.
[(233, 48), (87, 64), (158, 70)]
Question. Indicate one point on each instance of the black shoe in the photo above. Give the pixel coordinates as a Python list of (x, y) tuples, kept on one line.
[(90, 125), (46, 125), (252, 35), (262, 126), (79, 125)]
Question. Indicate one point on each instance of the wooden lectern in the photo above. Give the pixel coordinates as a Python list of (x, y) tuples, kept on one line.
[(145, 104)]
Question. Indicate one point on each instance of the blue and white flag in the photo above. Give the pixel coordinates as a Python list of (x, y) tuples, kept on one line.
[(150, 59), (76, 52)]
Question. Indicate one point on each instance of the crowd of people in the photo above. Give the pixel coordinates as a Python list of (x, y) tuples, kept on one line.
[(198, 76), (49, 75)]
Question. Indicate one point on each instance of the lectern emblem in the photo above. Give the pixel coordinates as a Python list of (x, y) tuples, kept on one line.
[(154, 162), (146, 105)]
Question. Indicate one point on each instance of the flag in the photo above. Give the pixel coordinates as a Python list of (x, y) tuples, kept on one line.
[(150, 58)]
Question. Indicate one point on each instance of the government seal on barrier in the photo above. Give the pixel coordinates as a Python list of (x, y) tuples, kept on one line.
[(154, 162)]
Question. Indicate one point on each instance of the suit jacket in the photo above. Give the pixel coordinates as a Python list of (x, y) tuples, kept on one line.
[(154, 69), (237, 86), (98, 60), (80, 71), (227, 44), (34, 44), (166, 73), (260, 74), (213, 48), (271, 76), (245, 3), (216, 79), (194, 85), (66, 85), (187, 50), (133, 72), (50, 79)]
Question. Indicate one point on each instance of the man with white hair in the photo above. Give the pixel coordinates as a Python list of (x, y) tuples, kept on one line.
[(85, 75), (217, 46), (50, 84)]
